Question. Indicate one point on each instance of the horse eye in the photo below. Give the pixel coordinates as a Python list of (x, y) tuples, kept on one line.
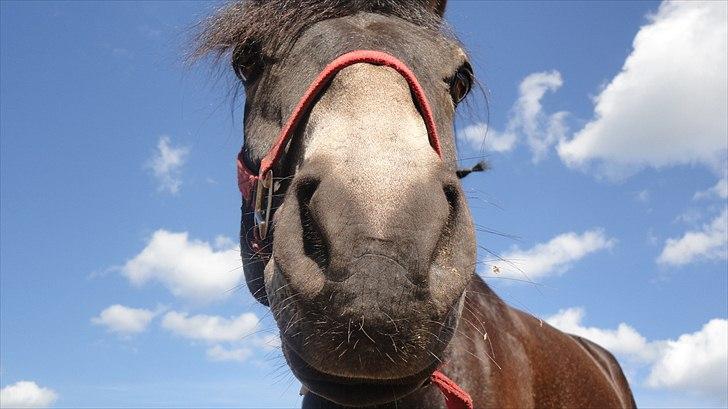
[(243, 71), (246, 62), (461, 83)]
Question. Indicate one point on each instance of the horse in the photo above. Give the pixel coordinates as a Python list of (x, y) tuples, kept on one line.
[(355, 230)]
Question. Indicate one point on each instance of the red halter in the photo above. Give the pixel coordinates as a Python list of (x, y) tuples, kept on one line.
[(262, 182), (247, 179), (455, 396)]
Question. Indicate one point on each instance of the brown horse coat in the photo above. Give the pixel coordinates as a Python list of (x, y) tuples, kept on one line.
[(506, 358), (369, 265)]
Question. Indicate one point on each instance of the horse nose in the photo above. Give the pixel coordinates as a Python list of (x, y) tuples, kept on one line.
[(367, 222)]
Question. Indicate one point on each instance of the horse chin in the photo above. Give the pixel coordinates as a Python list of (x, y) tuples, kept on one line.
[(372, 376), (362, 360), (354, 391), (355, 349)]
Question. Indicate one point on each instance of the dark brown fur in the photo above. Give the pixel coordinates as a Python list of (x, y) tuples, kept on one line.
[(506, 358), (421, 306)]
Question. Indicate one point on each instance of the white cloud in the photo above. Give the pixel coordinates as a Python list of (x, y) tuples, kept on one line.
[(541, 130), (166, 165), (690, 216), (220, 354), (667, 105), (553, 257), (709, 243), (233, 339), (191, 269), (124, 320), (624, 340), (480, 137), (719, 190), (695, 362), (210, 328), (26, 394), (527, 119)]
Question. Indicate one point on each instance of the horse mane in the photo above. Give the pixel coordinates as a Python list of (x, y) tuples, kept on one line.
[(273, 25)]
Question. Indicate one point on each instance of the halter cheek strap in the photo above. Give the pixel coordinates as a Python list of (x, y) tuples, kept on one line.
[(261, 184)]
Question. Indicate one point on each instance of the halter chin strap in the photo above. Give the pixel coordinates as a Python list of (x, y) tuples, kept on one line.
[(262, 183), (455, 396)]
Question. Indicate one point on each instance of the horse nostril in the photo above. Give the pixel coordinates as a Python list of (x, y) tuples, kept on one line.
[(314, 241), (305, 189), (452, 194)]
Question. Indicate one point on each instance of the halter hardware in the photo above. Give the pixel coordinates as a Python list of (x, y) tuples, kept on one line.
[(263, 196)]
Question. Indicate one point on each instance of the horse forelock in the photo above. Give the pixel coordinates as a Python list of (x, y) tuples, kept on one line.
[(274, 25)]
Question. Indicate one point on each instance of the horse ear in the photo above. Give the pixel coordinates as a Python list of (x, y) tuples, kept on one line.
[(437, 6)]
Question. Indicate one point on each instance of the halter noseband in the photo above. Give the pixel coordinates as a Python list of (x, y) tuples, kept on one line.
[(262, 182)]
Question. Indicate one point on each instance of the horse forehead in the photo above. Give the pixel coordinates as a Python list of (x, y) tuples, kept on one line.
[(421, 48), (429, 54)]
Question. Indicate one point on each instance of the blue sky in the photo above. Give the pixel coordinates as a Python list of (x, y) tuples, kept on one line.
[(607, 136)]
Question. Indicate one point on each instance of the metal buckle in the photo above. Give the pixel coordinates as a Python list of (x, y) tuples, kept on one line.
[(262, 216)]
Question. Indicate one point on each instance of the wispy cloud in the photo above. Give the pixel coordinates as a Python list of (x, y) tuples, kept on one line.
[(124, 320), (231, 339), (719, 190), (220, 354), (624, 340), (480, 137), (694, 362), (243, 351), (527, 120), (553, 257), (191, 269), (708, 243), (210, 328), (166, 165), (26, 394), (667, 105), (542, 130)]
